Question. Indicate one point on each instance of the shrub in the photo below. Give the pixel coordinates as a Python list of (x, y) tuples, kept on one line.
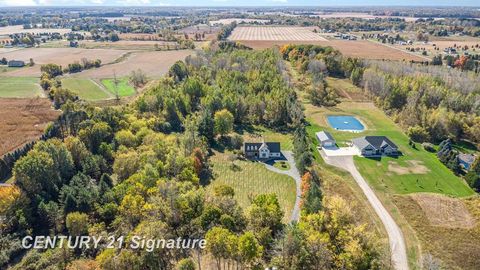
[(428, 147), (418, 134)]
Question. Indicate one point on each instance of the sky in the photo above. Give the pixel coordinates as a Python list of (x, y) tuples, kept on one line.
[(238, 2)]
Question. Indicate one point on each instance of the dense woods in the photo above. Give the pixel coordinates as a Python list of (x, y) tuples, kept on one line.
[(143, 169), (434, 103)]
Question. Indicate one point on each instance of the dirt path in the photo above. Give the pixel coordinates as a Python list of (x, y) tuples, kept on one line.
[(395, 236), (293, 172)]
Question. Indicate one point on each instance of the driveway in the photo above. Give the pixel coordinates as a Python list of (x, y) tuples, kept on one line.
[(293, 172), (395, 236), (342, 151)]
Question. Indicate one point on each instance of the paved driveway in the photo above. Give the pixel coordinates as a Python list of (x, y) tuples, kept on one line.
[(342, 151), (395, 236), (293, 172)]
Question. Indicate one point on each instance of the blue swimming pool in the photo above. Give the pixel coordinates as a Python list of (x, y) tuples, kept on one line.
[(345, 122)]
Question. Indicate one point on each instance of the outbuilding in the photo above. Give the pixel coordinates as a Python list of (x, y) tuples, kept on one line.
[(16, 63), (325, 139)]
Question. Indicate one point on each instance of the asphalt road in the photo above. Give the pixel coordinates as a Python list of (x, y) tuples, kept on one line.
[(395, 236), (293, 172)]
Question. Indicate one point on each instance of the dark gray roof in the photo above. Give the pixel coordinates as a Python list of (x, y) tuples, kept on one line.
[(376, 141), (273, 146), (251, 146)]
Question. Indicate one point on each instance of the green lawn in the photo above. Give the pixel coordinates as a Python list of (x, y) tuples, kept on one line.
[(85, 88), (250, 178), (21, 87), (282, 165), (124, 87), (422, 171)]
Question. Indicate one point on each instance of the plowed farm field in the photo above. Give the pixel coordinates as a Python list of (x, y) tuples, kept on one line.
[(281, 33), (59, 56), (354, 48), (23, 120)]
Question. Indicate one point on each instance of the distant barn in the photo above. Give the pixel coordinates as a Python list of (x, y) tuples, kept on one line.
[(16, 63)]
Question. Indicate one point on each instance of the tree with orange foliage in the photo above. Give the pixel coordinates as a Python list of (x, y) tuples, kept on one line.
[(460, 62), (8, 195), (311, 193), (200, 163)]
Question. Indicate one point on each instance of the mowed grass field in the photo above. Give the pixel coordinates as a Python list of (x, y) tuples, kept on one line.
[(20, 87), (250, 178), (123, 87), (415, 171), (85, 88)]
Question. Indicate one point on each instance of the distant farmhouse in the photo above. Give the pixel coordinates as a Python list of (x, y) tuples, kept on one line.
[(466, 160), (16, 63), (375, 146), (325, 138), (262, 150)]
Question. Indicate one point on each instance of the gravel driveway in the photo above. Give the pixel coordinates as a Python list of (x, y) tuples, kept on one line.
[(395, 236)]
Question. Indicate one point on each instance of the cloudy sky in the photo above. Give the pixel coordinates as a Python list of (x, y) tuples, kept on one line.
[(235, 2)]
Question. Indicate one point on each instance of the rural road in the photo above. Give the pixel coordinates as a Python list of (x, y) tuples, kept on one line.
[(293, 172), (395, 236)]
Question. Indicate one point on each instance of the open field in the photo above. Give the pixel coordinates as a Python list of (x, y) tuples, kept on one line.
[(353, 48), (85, 88), (472, 45), (209, 31), (132, 45), (127, 45), (249, 178), (448, 228), (154, 63), (123, 87), (23, 120), (364, 16), (237, 20), (20, 87), (259, 133), (60, 56), (7, 30), (280, 33)]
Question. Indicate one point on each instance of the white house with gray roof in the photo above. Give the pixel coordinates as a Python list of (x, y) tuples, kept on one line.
[(263, 150), (375, 146)]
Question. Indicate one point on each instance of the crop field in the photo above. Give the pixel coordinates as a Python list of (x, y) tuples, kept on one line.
[(154, 63), (250, 178), (20, 87), (7, 30), (59, 56), (123, 87), (353, 48), (280, 33), (23, 120), (85, 88), (237, 20)]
